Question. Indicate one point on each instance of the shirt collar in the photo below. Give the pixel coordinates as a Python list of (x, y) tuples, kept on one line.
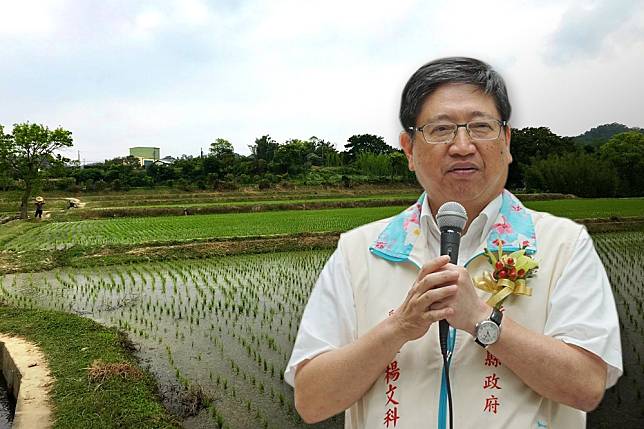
[(514, 229), (478, 228)]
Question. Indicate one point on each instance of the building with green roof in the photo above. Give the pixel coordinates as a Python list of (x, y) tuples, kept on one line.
[(146, 155)]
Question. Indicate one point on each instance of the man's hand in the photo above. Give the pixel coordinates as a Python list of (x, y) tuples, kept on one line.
[(466, 308), (434, 285)]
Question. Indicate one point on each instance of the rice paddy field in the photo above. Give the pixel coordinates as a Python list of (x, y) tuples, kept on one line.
[(61, 235), (623, 256), (172, 229), (225, 325), (585, 208)]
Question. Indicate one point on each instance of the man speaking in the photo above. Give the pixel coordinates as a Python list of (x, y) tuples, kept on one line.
[(533, 340)]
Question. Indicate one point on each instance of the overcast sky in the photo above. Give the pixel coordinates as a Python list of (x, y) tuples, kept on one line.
[(177, 74)]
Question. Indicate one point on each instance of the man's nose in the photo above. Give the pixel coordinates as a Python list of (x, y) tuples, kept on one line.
[(462, 144)]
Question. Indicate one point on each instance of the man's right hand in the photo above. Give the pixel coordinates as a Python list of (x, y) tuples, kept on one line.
[(433, 284)]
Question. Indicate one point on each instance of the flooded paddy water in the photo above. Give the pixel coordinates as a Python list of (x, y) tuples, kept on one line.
[(224, 325)]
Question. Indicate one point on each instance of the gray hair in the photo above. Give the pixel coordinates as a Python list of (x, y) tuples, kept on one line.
[(429, 77)]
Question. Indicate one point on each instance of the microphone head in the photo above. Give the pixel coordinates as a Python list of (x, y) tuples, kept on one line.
[(451, 215)]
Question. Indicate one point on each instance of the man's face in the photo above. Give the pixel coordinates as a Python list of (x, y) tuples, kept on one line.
[(470, 172)]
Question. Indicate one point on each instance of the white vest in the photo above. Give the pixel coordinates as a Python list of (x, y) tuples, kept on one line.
[(486, 394)]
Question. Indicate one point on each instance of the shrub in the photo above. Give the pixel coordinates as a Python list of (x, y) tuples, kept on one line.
[(263, 184)]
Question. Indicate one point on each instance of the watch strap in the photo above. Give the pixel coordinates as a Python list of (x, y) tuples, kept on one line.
[(496, 316), (476, 340)]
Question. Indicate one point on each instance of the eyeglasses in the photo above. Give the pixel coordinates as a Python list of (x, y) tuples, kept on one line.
[(444, 132)]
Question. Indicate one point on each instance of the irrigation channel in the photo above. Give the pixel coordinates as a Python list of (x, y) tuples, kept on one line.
[(7, 405), (227, 325)]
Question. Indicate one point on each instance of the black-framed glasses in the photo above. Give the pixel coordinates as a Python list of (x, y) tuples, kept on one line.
[(444, 132)]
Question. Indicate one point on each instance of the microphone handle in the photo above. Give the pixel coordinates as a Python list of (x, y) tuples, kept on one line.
[(450, 240)]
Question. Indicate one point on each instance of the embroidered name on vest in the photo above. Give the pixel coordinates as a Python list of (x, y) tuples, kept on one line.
[(492, 382), (392, 373)]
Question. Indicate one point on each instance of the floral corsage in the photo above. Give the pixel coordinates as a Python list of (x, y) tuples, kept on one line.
[(509, 275)]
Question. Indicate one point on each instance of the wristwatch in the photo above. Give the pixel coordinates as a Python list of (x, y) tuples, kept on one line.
[(488, 331)]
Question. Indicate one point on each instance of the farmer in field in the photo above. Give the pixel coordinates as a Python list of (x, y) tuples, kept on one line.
[(534, 335), (40, 202)]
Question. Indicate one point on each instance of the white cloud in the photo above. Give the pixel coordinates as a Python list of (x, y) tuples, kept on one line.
[(177, 74), (586, 26), (192, 12), (147, 22), (28, 18)]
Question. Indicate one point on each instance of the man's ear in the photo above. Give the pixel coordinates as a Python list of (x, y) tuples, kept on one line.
[(407, 145), (508, 137)]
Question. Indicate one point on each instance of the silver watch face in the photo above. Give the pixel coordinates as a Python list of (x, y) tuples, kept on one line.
[(487, 332)]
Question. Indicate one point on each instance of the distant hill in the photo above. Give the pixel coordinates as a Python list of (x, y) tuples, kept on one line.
[(598, 135)]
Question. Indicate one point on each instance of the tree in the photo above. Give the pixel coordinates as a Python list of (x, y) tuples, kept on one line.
[(361, 143), (625, 152), (264, 148), (5, 171), (28, 150), (371, 164), (161, 173), (599, 135), (323, 149), (573, 173), (531, 144), (400, 166), (129, 161), (221, 148), (291, 157)]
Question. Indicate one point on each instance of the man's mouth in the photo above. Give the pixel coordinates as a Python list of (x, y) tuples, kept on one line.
[(463, 169)]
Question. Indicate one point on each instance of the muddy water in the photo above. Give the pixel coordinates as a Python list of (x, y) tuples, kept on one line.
[(225, 326)]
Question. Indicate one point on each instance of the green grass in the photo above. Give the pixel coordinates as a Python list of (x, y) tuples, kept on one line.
[(71, 344), (591, 208)]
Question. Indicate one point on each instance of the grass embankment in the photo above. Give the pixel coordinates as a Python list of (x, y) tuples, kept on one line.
[(55, 200), (71, 344), (126, 200), (161, 208)]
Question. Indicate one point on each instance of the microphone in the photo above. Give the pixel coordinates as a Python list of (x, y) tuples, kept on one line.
[(451, 219)]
